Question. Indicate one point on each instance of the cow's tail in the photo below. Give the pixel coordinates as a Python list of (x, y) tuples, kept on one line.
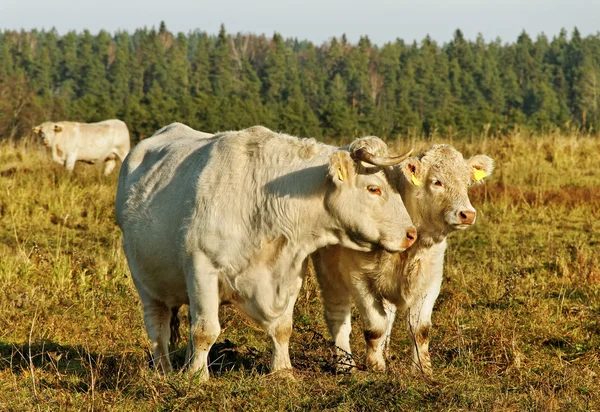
[(174, 325)]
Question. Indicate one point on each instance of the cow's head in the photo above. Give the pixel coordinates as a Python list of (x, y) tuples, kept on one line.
[(368, 208), (47, 132), (439, 180)]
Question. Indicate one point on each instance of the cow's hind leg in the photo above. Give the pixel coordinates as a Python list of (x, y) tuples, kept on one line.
[(157, 318), (157, 315), (203, 289)]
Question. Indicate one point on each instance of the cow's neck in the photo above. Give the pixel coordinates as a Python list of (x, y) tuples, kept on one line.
[(296, 212)]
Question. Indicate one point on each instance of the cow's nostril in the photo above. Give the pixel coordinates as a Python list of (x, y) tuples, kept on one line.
[(411, 234), (466, 216)]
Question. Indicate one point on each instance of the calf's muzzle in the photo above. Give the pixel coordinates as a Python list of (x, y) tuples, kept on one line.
[(467, 217)]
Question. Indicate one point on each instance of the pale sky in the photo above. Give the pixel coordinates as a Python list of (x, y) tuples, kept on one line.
[(315, 20)]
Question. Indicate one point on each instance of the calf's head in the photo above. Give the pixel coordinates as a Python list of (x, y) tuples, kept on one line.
[(47, 132), (439, 180), (369, 209)]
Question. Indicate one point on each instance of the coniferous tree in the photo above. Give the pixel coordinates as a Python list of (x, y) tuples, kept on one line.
[(337, 90)]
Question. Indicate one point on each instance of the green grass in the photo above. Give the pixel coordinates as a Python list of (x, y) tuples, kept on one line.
[(516, 327)]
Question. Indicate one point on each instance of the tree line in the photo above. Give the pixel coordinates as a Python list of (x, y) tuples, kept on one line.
[(153, 77)]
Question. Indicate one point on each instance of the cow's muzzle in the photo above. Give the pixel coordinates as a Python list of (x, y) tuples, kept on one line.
[(395, 246)]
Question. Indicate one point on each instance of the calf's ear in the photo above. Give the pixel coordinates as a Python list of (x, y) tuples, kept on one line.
[(341, 168), (412, 169), (481, 166), (36, 129), (57, 128)]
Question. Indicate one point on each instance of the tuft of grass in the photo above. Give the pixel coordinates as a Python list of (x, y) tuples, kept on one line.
[(516, 327)]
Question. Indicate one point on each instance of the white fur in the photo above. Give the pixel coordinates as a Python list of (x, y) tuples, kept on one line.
[(379, 282), (89, 142), (232, 218)]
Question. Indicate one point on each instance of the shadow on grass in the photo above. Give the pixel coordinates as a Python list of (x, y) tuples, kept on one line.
[(77, 363), (81, 368), (72, 365), (226, 357)]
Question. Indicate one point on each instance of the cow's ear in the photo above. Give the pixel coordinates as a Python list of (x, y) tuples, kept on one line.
[(481, 166), (57, 128), (412, 169), (36, 129), (341, 167)]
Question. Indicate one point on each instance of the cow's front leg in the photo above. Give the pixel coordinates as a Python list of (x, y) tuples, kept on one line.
[(280, 332), (272, 306), (203, 290), (55, 157), (70, 160)]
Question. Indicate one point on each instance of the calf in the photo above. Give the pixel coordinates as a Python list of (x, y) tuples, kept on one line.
[(434, 189)]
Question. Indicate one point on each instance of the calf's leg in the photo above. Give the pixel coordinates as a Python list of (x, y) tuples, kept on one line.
[(375, 326), (337, 300), (418, 317)]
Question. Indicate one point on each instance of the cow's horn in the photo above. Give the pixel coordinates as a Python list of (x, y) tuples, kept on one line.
[(365, 156)]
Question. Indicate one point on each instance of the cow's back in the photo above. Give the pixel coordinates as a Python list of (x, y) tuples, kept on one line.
[(99, 138)]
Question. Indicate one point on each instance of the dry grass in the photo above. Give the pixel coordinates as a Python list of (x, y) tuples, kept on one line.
[(516, 327)]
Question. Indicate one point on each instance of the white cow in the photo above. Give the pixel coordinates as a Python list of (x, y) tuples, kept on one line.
[(88, 142), (232, 219), (434, 189)]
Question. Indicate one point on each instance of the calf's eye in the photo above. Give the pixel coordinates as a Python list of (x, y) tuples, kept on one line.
[(438, 183), (374, 190)]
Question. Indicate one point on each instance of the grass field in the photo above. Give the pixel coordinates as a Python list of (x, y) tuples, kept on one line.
[(516, 327)]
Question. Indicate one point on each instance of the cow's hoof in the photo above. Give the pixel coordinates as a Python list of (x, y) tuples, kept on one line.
[(345, 368), (284, 374), (376, 365), (199, 375)]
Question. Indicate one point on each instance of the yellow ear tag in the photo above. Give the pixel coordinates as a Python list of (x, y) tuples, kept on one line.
[(478, 174), (340, 175), (414, 179)]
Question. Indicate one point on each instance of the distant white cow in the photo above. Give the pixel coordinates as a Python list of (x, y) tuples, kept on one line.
[(434, 189), (232, 219), (88, 142)]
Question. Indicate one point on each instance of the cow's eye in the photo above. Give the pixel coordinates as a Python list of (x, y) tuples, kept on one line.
[(374, 190), (438, 183)]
